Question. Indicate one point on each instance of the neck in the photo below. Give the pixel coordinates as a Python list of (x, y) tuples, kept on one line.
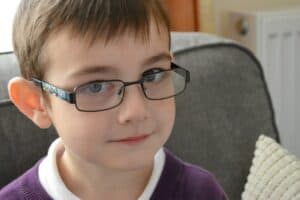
[(89, 181)]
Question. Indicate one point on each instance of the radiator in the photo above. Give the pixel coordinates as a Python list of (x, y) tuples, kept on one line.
[(274, 37)]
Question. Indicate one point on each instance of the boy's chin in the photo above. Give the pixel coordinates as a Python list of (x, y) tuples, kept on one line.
[(132, 163)]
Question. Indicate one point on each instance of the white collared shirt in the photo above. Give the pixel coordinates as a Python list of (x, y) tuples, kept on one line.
[(55, 187)]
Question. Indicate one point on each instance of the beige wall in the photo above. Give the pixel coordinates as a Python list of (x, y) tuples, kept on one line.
[(214, 13), (207, 18)]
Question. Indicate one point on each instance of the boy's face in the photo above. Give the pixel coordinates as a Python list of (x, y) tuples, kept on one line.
[(129, 135)]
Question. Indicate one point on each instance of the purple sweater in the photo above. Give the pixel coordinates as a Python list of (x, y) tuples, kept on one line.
[(179, 181)]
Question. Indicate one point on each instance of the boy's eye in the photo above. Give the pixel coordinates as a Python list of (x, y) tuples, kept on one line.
[(94, 88), (153, 75)]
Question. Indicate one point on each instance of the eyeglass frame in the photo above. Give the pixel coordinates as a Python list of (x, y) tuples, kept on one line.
[(70, 97)]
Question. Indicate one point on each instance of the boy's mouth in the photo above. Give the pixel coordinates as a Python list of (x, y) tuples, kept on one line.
[(132, 140)]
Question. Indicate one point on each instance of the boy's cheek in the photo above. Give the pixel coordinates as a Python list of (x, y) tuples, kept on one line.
[(166, 112), (168, 105)]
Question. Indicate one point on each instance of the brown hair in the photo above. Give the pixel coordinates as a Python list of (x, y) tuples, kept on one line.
[(35, 20)]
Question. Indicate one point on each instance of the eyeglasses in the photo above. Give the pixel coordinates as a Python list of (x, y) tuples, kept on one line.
[(100, 95)]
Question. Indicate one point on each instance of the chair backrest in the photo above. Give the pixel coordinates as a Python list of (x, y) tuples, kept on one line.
[(223, 111), (219, 117), (21, 142)]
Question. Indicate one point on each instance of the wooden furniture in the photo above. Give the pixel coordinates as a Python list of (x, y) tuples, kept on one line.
[(183, 14)]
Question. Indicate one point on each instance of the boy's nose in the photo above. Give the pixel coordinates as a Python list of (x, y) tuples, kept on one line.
[(134, 106)]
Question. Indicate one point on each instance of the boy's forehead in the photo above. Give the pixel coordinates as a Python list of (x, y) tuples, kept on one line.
[(88, 37), (155, 31), (64, 46)]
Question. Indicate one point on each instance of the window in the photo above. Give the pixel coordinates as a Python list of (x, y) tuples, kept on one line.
[(7, 12)]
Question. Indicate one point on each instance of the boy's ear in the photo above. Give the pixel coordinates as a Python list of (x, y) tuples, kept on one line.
[(29, 100)]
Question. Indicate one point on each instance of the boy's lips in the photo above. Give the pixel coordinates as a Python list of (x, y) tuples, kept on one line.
[(132, 140)]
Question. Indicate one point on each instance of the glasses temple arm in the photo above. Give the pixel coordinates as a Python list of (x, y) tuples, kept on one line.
[(64, 95)]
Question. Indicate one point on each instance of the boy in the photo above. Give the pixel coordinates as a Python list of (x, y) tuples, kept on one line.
[(100, 72)]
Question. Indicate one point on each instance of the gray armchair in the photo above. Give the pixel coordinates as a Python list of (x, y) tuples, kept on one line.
[(222, 113), (220, 116)]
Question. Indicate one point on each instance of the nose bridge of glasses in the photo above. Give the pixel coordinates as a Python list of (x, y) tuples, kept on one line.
[(126, 84), (132, 83)]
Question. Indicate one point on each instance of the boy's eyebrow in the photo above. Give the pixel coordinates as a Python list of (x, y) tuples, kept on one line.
[(110, 69), (92, 69), (158, 57)]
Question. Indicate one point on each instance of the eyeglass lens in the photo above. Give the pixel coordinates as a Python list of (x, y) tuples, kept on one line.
[(104, 95)]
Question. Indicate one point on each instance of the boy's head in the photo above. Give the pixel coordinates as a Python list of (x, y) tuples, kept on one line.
[(37, 20), (79, 45)]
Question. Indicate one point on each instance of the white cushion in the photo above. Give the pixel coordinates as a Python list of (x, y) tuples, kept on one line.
[(274, 174)]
